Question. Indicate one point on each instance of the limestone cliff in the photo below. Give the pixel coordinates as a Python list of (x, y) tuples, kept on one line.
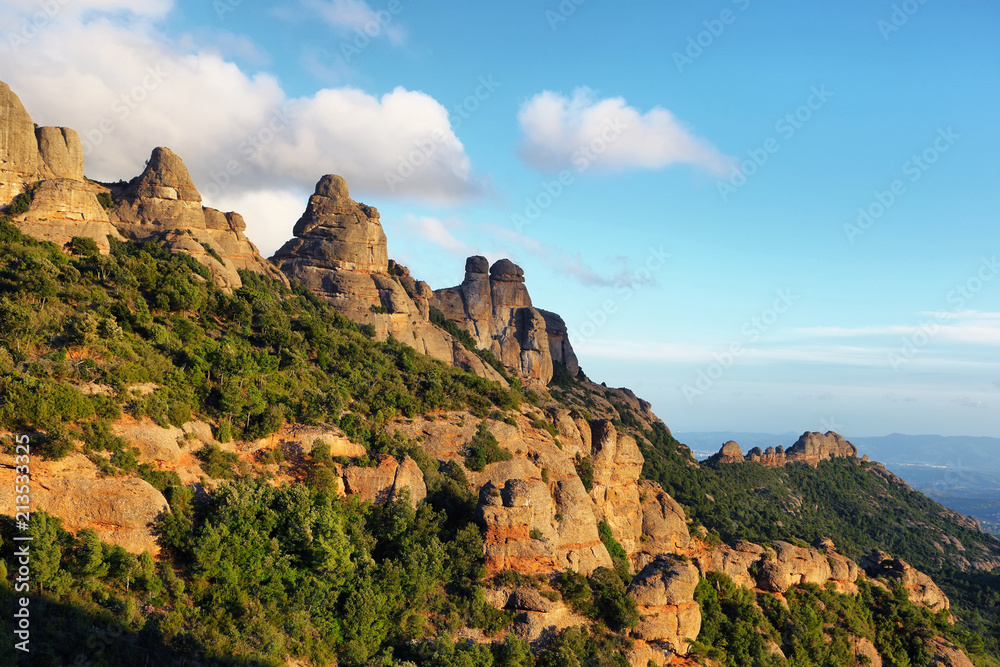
[(46, 165), (810, 448), (494, 306), (163, 203), (340, 253)]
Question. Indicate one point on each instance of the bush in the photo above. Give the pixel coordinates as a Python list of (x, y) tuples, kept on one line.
[(21, 204), (585, 469), (615, 606), (484, 449), (57, 443), (217, 463), (83, 246)]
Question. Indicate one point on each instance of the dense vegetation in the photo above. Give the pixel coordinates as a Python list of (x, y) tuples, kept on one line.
[(817, 626), (249, 361), (844, 500), (253, 573)]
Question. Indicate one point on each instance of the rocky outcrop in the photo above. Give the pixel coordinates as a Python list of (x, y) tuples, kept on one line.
[(559, 346), (47, 164), (778, 567), (384, 481), (794, 566), (864, 652), (946, 654), (121, 509), (494, 306), (163, 203), (617, 464), (921, 589), (21, 160), (814, 447), (63, 208), (664, 595), (664, 525), (730, 453), (810, 448), (340, 253)]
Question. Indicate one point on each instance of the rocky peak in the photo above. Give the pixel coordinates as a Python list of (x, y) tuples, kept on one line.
[(340, 253), (812, 447), (163, 203), (47, 164), (165, 177), (61, 151), (496, 309), (335, 233), (730, 453)]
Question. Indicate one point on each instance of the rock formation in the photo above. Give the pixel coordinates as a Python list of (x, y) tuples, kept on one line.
[(664, 595), (385, 481), (730, 453), (921, 589), (778, 567), (340, 252), (494, 306), (121, 509), (46, 164), (163, 203), (810, 448)]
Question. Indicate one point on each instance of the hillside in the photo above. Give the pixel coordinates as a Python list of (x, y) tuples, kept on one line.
[(332, 463)]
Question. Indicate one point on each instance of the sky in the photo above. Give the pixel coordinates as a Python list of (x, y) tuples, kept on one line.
[(759, 216)]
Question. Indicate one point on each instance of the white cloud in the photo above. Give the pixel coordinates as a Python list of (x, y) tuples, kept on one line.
[(126, 88), (269, 214), (357, 15), (967, 326), (438, 232), (580, 132)]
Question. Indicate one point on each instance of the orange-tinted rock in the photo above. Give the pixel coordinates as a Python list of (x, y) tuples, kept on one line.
[(921, 589), (664, 595), (122, 510), (383, 482)]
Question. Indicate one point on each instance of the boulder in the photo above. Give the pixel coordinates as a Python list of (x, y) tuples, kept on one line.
[(865, 652), (384, 481), (730, 453), (946, 654), (664, 595), (664, 525), (921, 589)]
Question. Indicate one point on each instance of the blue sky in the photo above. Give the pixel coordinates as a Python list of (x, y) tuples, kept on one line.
[(684, 184)]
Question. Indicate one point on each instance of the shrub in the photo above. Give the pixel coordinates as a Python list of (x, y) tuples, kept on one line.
[(585, 469), (484, 449), (83, 246), (21, 204), (106, 200), (57, 443), (217, 463)]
